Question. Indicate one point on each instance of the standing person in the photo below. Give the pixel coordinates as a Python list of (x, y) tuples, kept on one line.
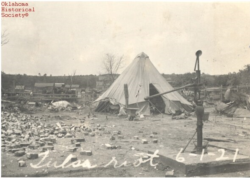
[(227, 95), (31, 94)]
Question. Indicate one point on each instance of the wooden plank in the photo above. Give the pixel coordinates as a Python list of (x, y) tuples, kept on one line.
[(218, 139)]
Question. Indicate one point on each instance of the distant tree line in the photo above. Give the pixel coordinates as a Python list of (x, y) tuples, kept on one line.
[(11, 80), (241, 77)]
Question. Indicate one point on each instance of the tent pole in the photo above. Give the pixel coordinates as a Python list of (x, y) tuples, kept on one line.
[(126, 94), (190, 85)]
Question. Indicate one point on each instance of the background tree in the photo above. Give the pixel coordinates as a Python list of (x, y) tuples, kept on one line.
[(244, 75), (44, 77), (4, 39), (72, 78), (233, 79), (112, 65)]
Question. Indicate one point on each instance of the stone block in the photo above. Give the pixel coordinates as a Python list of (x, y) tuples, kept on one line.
[(136, 137), (72, 149), (169, 173), (77, 144), (74, 158), (41, 143), (144, 141), (59, 135), (80, 139), (155, 141), (72, 141), (22, 163), (86, 152), (106, 132), (47, 148), (120, 136), (108, 146), (68, 135), (32, 155), (33, 146), (50, 143), (15, 150), (19, 153), (24, 144)]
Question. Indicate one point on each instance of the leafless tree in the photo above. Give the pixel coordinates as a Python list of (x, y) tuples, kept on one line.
[(112, 65), (4, 39), (71, 78)]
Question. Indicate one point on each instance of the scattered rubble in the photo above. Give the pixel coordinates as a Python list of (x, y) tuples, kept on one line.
[(110, 147), (72, 149), (144, 141), (169, 173), (155, 141), (136, 137), (32, 155), (181, 116), (73, 158), (86, 152), (22, 163), (22, 133)]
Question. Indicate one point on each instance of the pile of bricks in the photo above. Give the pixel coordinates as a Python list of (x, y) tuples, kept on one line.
[(24, 134)]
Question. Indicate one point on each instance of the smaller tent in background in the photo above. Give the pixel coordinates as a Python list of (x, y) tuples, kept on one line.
[(143, 80)]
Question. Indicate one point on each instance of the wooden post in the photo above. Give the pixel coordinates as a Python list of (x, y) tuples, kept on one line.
[(126, 94), (53, 90), (205, 92), (84, 99), (14, 84), (221, 93)]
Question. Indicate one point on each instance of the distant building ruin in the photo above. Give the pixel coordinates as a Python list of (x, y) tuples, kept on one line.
[(105, 80), (19, 88)]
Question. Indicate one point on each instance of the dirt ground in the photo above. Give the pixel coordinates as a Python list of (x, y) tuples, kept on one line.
[(171, 134)]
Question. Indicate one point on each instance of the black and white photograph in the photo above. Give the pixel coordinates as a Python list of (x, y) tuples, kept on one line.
[(125, 88)]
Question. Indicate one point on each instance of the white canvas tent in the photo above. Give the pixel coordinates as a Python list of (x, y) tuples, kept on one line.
[(141, 76)]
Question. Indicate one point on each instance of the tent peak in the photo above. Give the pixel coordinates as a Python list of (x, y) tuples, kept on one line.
[(142, 55)]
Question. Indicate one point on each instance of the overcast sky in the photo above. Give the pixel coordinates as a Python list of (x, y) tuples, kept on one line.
[(60, 37)]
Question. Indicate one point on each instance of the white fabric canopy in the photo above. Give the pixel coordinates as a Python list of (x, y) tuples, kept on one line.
[(138, 76)]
